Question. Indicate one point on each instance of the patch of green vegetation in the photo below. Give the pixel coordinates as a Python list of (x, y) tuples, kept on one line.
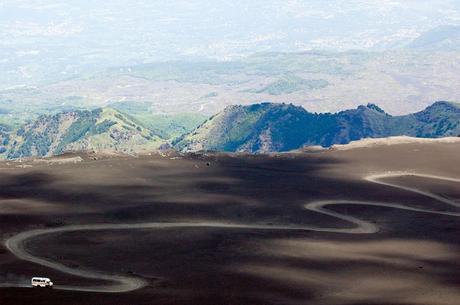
[(291, 83), (102, 127), (36, 143), (243, 126), (170, 126), (163, 125), (455, 104), (12, 121), (129, 121), (77, 130), (207, 72), (4, 138), (127, 127), (273, 63), (131, 107)]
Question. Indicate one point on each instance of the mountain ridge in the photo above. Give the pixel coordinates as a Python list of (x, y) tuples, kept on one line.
[(257, 128), (99, 129), (283, 127)]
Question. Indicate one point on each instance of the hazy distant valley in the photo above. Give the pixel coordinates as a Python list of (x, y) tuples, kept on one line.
[(400, 81)]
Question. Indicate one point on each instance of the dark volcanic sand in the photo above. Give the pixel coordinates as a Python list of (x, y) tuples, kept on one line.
[(413, 259)]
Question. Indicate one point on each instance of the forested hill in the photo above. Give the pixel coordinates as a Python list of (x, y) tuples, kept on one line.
[(256, 128), (101, 130), (281, 127)]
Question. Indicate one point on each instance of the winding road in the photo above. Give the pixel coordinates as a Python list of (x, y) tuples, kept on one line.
[(119, 283)]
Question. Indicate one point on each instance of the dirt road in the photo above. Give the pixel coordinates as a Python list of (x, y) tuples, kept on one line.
[(16, 244)]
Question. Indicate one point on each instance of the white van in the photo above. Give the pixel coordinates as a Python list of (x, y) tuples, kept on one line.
[(41, 282)]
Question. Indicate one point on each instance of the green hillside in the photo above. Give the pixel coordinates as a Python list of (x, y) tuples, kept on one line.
[(5, 132), (101, 130), (167, 126), (256, 128), (280, 127)]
